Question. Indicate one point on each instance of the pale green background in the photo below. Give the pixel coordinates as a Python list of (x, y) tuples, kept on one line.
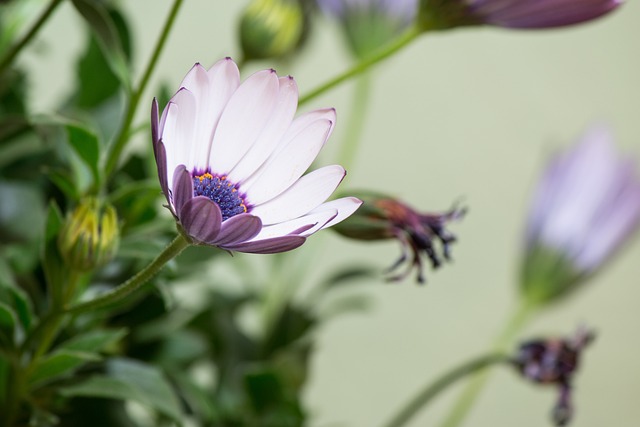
[(469, 114)]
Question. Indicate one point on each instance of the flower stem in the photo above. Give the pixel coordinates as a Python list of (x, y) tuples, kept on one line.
[(362, 66), (136, 282), (122, 137), (350, 144), (469, 395), (10, 55), (433, 389)]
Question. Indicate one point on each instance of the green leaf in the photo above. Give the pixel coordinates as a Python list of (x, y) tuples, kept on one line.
[(7, 325), (52, 261), (85, 143), (105, 29), (59, 364), (93, 341), (131, 380), (21, 212)]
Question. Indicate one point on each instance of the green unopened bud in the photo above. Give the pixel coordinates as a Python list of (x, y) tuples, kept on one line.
[(271, 28), (90, 236)]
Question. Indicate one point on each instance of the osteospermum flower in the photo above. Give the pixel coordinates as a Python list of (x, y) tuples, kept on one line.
[(231, 157), (525, 14), (369, 24), (384, 217), (585, 206)]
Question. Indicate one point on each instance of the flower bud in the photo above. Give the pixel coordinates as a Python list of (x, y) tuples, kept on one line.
[(383, 217), (271, 28), (90, 236)]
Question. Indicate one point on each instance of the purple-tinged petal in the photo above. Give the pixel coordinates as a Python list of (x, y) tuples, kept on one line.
[(201, 219), (268, 246), (316, 220), (154, 122), (238, 229), (161, 162), (182, 187)]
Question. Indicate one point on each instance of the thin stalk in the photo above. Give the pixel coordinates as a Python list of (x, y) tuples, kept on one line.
[(469, 395), (122, 137), (10, 55), (349, 147), (362, 66), (432, 390), (136, 282)]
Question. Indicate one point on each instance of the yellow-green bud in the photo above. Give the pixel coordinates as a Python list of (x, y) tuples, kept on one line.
[(90, 236), (271, 28)]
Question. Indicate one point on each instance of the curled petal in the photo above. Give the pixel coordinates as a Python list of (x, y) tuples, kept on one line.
[(201, 219), (268, 246), (237, 229)]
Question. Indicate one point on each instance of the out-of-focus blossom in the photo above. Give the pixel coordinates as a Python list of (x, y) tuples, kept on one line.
[(369, 24), (524, 14), (271, 28), (384, 217), (90, 235), (586, 204), (231, 157), (554, 361)]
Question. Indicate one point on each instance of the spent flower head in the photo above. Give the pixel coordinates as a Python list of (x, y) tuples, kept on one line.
[(522, 14), (231, 157), (585, 206), (369, 24), (384, 217), (554, 362)]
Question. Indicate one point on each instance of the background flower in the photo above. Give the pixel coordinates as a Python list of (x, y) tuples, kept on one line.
[(585, 206)]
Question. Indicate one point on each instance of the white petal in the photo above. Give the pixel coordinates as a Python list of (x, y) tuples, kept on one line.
[(289, 165), (177, 129), (273, 132), (212, 90), (345, 206), (243, 119), (303, 196), (315, 221)]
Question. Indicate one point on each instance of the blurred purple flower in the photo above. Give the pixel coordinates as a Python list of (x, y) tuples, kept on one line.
[(369, 24), (524, 14), (585, 206), (231, 157)]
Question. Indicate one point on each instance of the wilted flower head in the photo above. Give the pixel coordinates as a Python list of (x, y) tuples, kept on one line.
[(554, 361), (384, 217), (231, 157), (586, 204), (369, 24), (525, 14)]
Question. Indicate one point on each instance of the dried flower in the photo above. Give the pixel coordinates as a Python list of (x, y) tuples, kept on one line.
[(231, 156), (586, 204), (523, 14), (369, 24), (554, 361), (383, 217)]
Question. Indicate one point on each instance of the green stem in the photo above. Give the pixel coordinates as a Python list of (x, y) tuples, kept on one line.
[(469, 395), (122, 137), (433, 389), (353, 136), (136, 282), (362, 66), (10, 55)]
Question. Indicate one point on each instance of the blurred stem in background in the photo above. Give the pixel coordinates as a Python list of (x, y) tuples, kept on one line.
[(11, 54), (383, 53), (122, 137), (420, 400), (355, 125), (467, 398)]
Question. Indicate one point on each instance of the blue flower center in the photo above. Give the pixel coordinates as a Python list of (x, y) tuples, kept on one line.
[(221, 191)]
